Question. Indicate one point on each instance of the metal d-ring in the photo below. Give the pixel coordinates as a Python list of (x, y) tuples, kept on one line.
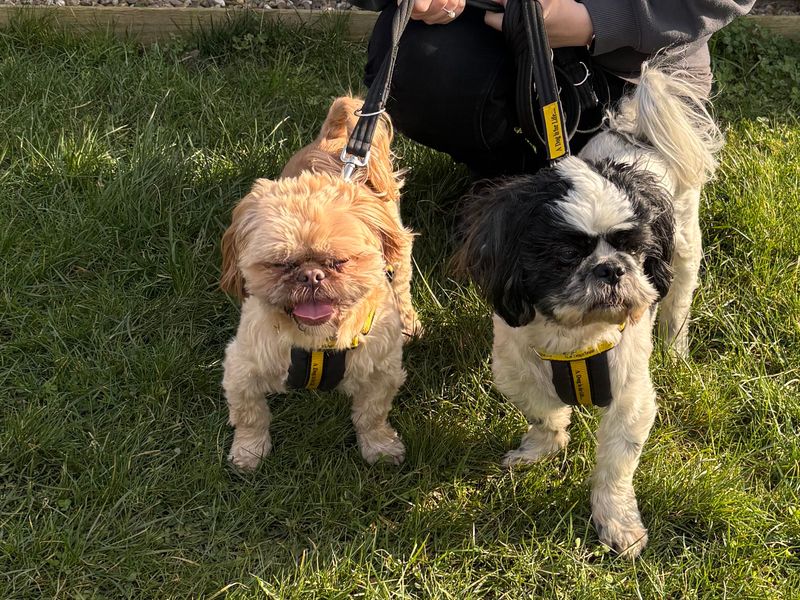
[(585, 77), (359, 112)]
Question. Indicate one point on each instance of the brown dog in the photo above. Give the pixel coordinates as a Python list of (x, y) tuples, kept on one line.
[(323, 268)]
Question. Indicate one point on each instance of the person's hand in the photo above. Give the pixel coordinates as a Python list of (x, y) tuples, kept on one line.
[(437, 12), (567, 22)]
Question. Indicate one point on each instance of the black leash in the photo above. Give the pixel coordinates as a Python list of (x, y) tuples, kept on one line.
[(523, 28), (356, 153)]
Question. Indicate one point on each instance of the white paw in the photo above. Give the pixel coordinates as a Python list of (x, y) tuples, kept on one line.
[(680, 347), (535, 446), (627, 539), (676, 340), (383, 447), (522, 456), (247, 454)]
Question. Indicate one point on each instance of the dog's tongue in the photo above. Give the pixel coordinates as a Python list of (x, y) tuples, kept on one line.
[(313, 313)]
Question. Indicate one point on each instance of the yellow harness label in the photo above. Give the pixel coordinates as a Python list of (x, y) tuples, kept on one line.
[(580, 381), (315, 372), (552, 125)]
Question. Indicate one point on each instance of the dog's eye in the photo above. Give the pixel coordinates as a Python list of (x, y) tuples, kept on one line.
[(337, 263), (568, 255), (286, 266)]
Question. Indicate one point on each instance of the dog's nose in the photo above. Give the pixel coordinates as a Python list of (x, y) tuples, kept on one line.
[(610, 272), (310, 276)]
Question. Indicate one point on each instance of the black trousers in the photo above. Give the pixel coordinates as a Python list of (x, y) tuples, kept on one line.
[(453, 90)]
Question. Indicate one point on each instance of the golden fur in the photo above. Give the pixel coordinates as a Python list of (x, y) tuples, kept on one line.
[(312, 221)]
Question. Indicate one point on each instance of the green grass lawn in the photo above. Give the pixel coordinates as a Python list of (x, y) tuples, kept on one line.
[(118, 171)]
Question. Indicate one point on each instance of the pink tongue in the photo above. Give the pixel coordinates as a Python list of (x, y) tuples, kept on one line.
[(313, 313)]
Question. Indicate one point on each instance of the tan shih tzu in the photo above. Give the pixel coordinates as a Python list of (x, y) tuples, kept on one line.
[(323, 268)]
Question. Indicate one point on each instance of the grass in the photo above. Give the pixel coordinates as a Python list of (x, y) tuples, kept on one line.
[(118, 171)]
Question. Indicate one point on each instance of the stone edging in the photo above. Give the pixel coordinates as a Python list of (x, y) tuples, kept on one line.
[(152, 24)]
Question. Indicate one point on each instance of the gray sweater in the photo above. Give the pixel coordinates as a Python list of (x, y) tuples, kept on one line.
[(628, 32)]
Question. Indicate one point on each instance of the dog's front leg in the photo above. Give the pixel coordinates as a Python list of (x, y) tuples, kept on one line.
[(620, 437), (546, 435), (372, 401), (248, 412), (548, 418)]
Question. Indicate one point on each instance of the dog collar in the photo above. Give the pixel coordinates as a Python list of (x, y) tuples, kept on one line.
[(581, 378)]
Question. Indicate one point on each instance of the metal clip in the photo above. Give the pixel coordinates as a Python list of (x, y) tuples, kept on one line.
[(351, 163)]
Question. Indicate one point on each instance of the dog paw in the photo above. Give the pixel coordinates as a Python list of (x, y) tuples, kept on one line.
[(382, 448), (536, 445), (247, 455), (626, 539), (522, 456)]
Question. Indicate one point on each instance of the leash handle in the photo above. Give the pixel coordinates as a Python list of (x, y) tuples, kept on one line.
[(356, 153), (523, 28)]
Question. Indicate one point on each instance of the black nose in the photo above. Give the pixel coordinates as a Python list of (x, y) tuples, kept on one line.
[(310, 276), (609, 272)]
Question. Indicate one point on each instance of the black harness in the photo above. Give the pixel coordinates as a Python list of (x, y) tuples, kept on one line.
[(581, 378), (321, 369)]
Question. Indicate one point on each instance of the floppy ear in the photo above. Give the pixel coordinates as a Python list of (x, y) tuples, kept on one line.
[(658, 259), (383, 218), (380, 174), (490, 253), (231, 279)]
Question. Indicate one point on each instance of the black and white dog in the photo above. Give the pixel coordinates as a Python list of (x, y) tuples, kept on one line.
[(575, 260)]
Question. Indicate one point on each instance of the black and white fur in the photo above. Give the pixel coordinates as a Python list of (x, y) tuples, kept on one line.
[(567, 255)]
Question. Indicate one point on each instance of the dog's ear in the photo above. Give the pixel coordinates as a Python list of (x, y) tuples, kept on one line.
[(341, 118), (658, 260), (383, 218), (231, 280), (490, 252), (380, 174)]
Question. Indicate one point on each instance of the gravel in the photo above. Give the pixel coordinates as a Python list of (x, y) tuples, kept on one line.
[(774, 7), (762, 7), (262, 4)]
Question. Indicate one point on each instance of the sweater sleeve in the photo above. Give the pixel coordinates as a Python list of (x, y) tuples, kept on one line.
[(647, 26)]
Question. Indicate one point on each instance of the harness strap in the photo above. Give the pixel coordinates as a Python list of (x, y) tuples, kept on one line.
[(584, 382), (323, 368), (582, 377), (316, 369)]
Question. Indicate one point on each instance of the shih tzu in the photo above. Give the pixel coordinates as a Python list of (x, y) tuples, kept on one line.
[(323, 268), (576, 261)]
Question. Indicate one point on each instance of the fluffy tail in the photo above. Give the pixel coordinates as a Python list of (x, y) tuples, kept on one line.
[(668, 111)]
